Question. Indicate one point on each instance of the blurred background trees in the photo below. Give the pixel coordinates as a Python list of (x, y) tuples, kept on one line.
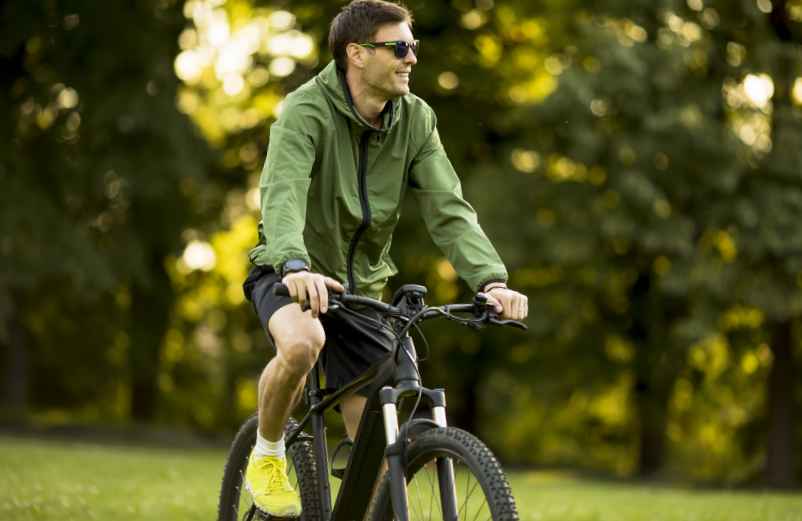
[(637, 164)]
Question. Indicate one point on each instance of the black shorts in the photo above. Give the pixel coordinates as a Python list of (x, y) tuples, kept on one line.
[(353, 344)]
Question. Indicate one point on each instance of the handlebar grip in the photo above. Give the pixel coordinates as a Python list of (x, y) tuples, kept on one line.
[(282, 290)]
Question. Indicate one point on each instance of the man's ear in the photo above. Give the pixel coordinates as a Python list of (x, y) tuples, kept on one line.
[(355, 54)]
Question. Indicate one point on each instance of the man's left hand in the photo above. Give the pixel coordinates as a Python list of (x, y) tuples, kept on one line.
[(510, 305)]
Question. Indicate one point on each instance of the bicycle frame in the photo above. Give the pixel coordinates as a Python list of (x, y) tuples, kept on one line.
[(365, 460)]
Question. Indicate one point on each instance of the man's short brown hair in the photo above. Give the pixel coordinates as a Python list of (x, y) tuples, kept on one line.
[(358, 22)]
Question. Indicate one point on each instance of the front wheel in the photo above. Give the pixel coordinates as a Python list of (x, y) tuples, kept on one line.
[(482, 491)]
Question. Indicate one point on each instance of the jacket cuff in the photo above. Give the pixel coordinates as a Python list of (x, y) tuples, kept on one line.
[(480, 288)]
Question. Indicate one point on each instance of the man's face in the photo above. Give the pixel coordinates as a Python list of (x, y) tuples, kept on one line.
[(383, 72)]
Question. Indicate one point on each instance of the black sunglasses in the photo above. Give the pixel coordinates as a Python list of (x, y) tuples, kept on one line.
[(400, 47)]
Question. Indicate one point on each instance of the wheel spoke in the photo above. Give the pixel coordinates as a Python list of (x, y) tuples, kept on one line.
[(418, 497), (418, 493), (480, 506), (468, 494), (432, 493), (431, 501)]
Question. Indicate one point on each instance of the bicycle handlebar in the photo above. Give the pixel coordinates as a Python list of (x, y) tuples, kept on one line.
[(282, 290), (483, 313)]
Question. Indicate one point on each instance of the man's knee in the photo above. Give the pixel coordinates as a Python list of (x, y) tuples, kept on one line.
[(300, 354), (298, 347)]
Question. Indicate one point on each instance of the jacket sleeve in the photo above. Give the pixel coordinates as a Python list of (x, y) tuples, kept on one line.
[(284, 183), (450, 220)]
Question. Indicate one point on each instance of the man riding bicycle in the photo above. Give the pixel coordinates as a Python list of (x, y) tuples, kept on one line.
[(346, 148)]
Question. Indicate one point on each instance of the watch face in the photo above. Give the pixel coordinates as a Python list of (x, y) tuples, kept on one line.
[(294, 265)]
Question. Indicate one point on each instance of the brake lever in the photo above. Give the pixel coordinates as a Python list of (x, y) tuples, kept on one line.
[(511, 323)]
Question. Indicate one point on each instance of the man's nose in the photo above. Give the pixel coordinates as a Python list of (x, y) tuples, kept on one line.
[(410, 58)]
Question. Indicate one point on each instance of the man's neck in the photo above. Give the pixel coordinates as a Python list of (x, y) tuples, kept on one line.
[(366, 101)]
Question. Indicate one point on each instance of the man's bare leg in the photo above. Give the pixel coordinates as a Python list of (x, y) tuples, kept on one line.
[(299, 339), (268, 408), (352, 408)]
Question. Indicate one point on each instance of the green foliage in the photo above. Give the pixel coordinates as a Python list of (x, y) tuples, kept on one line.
[(98, 167), (636, 163)]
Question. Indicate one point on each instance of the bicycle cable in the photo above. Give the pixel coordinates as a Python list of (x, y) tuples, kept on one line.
[(425, 343), (413, 321)]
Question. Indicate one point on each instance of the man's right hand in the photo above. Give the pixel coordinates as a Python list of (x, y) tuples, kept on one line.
[(306, 286)]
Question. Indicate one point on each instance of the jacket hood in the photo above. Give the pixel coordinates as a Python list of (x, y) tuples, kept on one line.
[(332, 81)]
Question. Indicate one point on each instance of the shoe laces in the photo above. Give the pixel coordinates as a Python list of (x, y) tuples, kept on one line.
[(276, 472)]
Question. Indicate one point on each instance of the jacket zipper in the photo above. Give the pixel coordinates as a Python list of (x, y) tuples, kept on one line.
[(362, 170)]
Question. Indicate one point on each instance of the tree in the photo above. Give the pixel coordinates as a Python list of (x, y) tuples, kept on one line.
[(100, 173), (634, 153), (763, 214)]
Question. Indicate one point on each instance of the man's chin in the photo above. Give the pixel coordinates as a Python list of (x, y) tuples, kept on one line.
[(401, 91), (396, 90)]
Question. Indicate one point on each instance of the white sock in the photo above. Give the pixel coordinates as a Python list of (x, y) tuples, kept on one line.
[(264, 447)]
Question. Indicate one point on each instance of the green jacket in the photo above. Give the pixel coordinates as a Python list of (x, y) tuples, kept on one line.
[(332, 188)]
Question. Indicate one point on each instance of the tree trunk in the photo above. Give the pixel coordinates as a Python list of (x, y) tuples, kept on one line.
[(14, 402), (466, 416), (469, 412), (150, 316), (655, 373), (651, 404), (780, 470)]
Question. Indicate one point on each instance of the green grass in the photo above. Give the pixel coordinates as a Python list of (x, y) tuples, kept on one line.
[(543, 496), (48, 480)]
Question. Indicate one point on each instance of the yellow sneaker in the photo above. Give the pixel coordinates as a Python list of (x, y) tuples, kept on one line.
[(266, 480)]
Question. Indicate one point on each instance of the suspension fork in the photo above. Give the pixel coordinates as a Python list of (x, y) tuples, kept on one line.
[(445, 467), (435, 398), (398, 482)]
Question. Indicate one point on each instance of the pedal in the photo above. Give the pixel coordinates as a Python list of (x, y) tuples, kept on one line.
[(339, 473)]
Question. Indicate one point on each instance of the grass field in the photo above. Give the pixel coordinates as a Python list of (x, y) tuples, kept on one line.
[(47, 480)]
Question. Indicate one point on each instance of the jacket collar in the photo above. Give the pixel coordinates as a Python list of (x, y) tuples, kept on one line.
[(332, 80)]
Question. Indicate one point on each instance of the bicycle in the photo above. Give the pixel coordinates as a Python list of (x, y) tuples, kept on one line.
[(433, 471)]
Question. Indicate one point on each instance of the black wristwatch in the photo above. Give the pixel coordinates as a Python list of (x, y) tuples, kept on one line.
[(294, 265)]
